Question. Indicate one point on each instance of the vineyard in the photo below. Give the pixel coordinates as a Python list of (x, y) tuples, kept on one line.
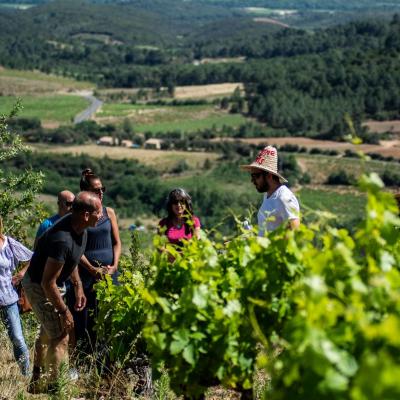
[(315, 311)]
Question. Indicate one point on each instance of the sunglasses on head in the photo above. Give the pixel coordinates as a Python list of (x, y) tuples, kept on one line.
[(98, 190)]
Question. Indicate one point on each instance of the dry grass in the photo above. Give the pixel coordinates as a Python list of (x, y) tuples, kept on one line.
[(219, 60), (319, 167), (163, 160), (204, 91), (383, 126), (19, 83), (190, 92), (271, 21)]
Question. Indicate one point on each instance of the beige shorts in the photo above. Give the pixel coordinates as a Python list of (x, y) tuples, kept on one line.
[(44, 310)]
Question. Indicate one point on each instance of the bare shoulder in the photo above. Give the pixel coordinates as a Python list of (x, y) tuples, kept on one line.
[(110, 212)]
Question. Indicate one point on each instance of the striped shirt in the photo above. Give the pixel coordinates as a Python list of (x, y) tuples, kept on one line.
[(11, 254)]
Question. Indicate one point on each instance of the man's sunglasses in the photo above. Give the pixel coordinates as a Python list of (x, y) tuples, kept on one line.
[(256, 175), (98, 190), (68, 203)]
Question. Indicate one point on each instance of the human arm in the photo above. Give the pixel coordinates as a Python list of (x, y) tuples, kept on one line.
[(291, 210), (52, 271), (20, 255), (111, 269), (80, 297), (197, 227), (17, 278), (294, 223), (95, 271)]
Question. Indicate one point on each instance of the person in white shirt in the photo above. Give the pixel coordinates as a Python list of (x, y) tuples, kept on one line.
[(279, 204)]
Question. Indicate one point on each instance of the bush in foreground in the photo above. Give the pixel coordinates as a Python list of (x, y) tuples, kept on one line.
[(317, 309)]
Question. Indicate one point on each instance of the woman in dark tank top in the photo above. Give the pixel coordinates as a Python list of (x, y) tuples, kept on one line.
[(101, 256)]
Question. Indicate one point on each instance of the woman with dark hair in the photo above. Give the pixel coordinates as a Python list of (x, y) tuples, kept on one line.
[(103, 249), (12, 253), (180, 223)]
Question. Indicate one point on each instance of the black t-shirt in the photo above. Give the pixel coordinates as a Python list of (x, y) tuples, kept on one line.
[(63, 244)]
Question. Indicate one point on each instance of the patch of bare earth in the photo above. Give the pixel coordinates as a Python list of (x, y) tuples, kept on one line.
[(222, 60), (50, 124), (383, 126), (271, 21), (202, 91)]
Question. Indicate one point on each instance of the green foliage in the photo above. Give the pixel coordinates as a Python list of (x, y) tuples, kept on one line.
[(340, 177), (121, 312), (340, 342), (18, 206), (327, 301)]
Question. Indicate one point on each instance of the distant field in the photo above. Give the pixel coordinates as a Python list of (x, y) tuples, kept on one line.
[(319, 167), (269, 11), (383, 126), (204, 91), (17, 6), (169, 118), (18, 83), (164, 160), (55, 108), (386, 148), (348, 205), (218, 60), (211, 91)]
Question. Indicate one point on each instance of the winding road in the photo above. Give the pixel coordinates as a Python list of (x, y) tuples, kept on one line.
[(94, 106)]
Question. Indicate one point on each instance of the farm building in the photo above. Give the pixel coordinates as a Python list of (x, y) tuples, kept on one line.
[(126, 143), (108, 141), (153, 144)]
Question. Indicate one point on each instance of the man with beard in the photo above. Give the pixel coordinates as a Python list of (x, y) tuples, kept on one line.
[(279, 204)]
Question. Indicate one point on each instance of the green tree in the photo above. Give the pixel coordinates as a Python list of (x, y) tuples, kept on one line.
[(18, 206)]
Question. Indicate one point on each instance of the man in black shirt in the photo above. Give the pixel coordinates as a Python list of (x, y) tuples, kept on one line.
[(55, 259)]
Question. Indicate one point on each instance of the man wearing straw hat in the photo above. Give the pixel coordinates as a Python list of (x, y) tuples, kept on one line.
[(279, 204)]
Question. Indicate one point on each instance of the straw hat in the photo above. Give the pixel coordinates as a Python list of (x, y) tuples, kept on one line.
[(267, 160)]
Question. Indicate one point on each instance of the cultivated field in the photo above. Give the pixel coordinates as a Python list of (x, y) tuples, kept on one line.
[(51, 110), (163, 160), (168, 118), (387, 148), (346, 204), (21, 83), (206, 91), (383, 126), (187, 92), (319, 167)]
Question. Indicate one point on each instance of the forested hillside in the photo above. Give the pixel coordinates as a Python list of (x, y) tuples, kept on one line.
[(301, 81)]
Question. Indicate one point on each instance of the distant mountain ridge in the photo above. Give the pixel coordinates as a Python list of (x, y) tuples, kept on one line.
[(274, 4)]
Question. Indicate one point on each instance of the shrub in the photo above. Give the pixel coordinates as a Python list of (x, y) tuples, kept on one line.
[(340, 178)]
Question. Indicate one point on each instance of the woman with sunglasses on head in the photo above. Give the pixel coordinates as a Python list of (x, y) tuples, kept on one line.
[(103, 249), (180, 223)]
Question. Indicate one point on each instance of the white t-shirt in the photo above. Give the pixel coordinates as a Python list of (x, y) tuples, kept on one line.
[(281, 206)]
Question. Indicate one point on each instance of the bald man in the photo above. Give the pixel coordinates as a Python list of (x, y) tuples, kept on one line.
[(64, 203), (55, 259)]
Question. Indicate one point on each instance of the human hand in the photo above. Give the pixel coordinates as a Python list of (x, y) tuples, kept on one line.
[(80, 302), (17, 278), (111, 269), (98, 272), (67, 320)]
